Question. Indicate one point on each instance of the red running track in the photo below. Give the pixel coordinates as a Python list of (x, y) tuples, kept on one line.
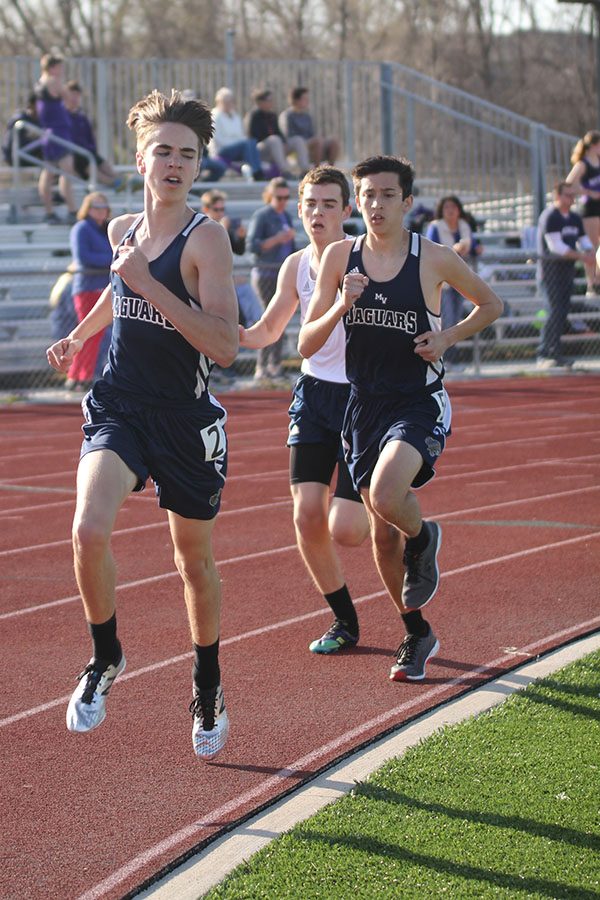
[(94, 816)]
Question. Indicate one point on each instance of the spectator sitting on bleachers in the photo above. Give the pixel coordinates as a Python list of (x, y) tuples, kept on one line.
[(211, 168), (82, 134), (27, 114), (229, 142), (53, 116), (451, 229), (92, 256), (213, 205), (262, 126), (297, 127)]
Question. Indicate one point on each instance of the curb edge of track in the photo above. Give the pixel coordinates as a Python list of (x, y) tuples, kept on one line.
[(211, 864)]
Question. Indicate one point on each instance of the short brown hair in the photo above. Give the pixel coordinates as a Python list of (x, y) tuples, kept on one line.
[(297, 93), (156, 109), (209, 198), (561, 186), (74, 86), (49, 60), (326, 175), (373, 165), (271, 186)]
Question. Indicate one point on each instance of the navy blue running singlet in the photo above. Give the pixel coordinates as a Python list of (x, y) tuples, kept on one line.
[(381, 327), (148, 357)]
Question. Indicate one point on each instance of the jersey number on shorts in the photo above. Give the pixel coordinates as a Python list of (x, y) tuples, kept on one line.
[(214, 440), (440, 399)]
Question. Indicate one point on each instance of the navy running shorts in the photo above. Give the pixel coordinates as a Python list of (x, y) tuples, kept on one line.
[(317, 411), (183, 450), (372, 421), (316, 417)]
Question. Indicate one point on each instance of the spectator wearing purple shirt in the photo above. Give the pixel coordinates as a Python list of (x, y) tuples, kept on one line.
[(53, 116), (82, 134)]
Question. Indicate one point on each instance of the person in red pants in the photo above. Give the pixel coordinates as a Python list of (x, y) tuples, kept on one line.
[(92, 256)]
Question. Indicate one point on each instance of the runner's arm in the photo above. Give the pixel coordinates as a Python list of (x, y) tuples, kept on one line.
[(60, 354), (441, 264), (325, 308), (280, 310)]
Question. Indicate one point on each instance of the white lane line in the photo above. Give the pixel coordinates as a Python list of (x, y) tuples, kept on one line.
[(450, 450), (152, 579), (441, 517), (193, 830), (225, 513), (503, 469), (284, 624)]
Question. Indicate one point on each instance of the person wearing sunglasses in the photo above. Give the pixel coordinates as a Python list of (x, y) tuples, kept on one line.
[(271, 239)]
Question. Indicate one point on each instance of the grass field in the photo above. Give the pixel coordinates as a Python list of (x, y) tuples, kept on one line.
[(505, 805)]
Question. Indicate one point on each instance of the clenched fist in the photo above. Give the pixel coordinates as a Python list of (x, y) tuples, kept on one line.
[(352, 287)]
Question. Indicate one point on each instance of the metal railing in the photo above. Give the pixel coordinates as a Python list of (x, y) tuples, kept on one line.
[(457, 141), (23, 153)]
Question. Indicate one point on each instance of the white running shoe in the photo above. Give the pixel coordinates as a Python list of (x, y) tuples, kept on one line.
[(87, 706), (211, 725)]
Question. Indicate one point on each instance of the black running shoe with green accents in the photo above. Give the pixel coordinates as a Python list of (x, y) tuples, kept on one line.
[(335, 638)]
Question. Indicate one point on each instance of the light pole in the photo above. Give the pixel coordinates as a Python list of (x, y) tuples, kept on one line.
[(595, 4)]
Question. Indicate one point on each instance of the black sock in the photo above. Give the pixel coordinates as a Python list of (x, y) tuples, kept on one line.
[(417, 544), (343, 608), (206, 670), (105, 642), (415, 623)]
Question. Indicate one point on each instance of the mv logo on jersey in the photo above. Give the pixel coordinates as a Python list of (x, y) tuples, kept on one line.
[(382, 298)]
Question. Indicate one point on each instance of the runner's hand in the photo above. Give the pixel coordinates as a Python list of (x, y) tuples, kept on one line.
[(60, 355), (431, 345), (132, 265), (352, 287)]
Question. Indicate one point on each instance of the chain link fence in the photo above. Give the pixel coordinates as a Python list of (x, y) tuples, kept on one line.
[(36, 308)]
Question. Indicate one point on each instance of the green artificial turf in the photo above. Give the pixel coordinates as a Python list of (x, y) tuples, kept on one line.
[(505, 805)]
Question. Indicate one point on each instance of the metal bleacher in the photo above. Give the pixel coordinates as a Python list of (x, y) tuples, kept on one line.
[(33, 254)]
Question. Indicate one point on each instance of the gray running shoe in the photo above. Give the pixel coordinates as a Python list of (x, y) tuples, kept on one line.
[(422, 576), (211, 725), (412, 655), (87, 706)]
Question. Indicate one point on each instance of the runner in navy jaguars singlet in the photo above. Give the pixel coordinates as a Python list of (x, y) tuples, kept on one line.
[(317, 411), (395, 395), (158, 382), (398, 414), (173, 307)]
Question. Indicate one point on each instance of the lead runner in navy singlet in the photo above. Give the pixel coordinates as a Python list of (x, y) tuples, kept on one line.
[(174, 312), (398, 414)]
